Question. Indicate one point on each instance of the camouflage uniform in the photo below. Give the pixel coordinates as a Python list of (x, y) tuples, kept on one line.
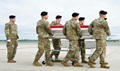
[(56, 42), (99, 29), (11, 34), (72, 32), (43, 30), (81, 43)]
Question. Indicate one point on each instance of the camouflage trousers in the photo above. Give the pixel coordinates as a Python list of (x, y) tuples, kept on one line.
[(43, 46), (100, 51), (73, 53), (11, 48), (56, 46), (81, 43)]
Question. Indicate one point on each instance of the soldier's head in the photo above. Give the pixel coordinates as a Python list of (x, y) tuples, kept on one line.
[(75, 16), (58, 18), (103, 13), (81, 20), (12, 18), (44, 15)]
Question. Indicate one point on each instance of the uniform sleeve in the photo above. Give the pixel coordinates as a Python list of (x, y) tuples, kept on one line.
[(48, 29), (107, 29), (37, 28), (17, 32), (79, 30), (64, 29), (7, 31), (90, 29)]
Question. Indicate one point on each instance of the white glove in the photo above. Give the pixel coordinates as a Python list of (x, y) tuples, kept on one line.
[(8, 40)]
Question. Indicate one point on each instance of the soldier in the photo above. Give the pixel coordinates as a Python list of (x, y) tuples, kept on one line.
[(56, 42), (11, 32), (72, 32), (43, 30), (99, 29), (81, 42)]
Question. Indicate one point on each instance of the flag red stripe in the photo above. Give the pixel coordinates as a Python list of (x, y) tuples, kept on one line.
[(84, 26)]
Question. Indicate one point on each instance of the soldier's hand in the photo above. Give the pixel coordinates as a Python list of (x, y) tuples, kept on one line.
[(8, 40)]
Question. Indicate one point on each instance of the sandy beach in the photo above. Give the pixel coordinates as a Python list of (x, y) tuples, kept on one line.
[(27, 50)]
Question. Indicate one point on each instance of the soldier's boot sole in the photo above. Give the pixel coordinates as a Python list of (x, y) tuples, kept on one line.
[(11, 61), (104, 66), (78, 65), (49, 63), (65, 64), (35, 63), (91, 64), (14, 61)]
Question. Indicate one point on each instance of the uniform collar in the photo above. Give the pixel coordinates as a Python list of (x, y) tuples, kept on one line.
[(101, 18), (43, 19), (73, 20), (11, 22)]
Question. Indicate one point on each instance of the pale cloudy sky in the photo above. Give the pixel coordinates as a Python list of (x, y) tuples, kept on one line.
[(28, 13)]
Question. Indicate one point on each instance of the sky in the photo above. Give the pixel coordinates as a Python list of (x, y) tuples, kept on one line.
[(28, 13)]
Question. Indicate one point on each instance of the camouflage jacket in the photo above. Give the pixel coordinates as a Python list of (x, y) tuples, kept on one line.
[(55, 23), (72, 30), (99, 28), (56, 41), (11, 30), (43, 29)]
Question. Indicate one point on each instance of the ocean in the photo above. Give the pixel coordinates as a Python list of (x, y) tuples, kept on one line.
[(35, 42)]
